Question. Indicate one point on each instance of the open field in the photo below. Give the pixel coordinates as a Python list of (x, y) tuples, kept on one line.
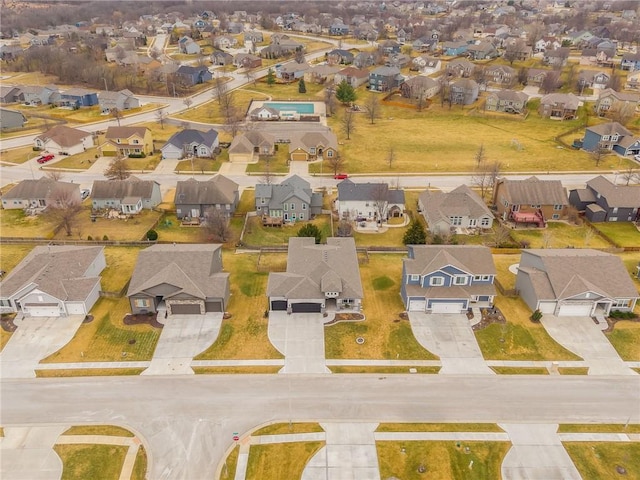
[(14, 223), (256, 234), (623, 234), (280, 460), (131, 229), (518, 338), (12, 254), (107, 338), (441, 460), (210, 112), (81, 115), (386, 335), (561, 235), (600, 460), (120, 264), (284, 91), (244, 335)]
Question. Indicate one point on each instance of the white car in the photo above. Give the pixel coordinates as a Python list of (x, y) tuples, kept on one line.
[(636, 158), (84, 193)]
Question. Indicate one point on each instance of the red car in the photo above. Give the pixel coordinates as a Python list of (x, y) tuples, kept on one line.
[(46, 158), (340, 176)]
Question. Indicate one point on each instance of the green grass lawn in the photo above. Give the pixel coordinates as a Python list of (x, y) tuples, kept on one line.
[(201, 165), (170, 230), (106, 338), (79, 161), (280, 460), (120, 264), (247, 202), (598, 428), (287, 428), (502, 263), (110, 430), (244, 335), (439, 427), (386, 336), (132, 229), (12, 254), (561, 235), (442, 460), (256, 234), (520, 370), (522, 339), (625, 338), (14, 223), (599, 460), (91, 461), (210, 111), (285, 91), (279, 163), (623, 234)]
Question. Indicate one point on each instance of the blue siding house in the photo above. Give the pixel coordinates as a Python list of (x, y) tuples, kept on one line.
[(447, 278), (193, 75), (453, 49), (611, 136), (78, 97)]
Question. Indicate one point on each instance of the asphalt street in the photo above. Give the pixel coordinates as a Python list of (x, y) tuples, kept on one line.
[(187, 423)]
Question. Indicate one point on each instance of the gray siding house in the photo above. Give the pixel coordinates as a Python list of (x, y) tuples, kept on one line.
[(194, 198), (318, 278), (191, 142), (292, 200), (179, 279), (11, 119), (36, 194), (130, 196), (458, 210), (603, 201)]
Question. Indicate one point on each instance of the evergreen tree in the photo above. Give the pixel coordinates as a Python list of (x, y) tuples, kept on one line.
[(345, 92), (310, 230), (271, 78), (302, 88), (415, 235)]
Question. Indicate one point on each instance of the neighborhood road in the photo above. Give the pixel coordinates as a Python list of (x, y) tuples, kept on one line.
[(187, 423)]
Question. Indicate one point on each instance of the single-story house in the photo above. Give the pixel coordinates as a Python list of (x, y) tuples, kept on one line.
[(54, 281), (291, 200), (318, 278), (129, 196), (126, 141), (191, 142), (249, 146), (179, 279), (193, 198), (193, 75), (63, 140), (574, 282), (603, 201), (460, 209), (308, 146), (38, 194), (78, 97), (444, 279), (372, 201)]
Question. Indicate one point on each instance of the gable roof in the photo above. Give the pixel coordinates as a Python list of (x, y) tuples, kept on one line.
[(40, 188), (291, 187), (462, 201), (510, 96), (314, 269), (616, 195), (195, 269), (64, 136), (569, 100), (307, 140), (125, 132), (121, 189), (535, 191), (190, 136), (350, 191), (56, 270), (218, 190), (565, 273), (472, 259), (609, 128)]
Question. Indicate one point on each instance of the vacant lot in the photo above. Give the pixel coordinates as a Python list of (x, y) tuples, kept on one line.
[(623, 234), (386, 335), (130, 229), (14, 223), (561, 235)]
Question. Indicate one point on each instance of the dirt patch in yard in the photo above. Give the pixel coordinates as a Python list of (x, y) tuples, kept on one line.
[(141, 319), (6, 322)]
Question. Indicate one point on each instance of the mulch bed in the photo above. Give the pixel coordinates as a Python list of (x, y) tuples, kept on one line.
[(489, 316), (142, 319), (611, 322), (6, 322), (346, 317)]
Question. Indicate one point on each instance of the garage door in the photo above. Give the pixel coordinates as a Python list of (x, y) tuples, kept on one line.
[(43, 311), (299, 156), (213, 306), (547, 307), (448, 307), (575, 309), (417, 305), (278, 305), (186, 308), (306, 307)]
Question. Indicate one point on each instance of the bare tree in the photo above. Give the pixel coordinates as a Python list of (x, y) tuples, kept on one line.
[(221, 87), (117, 114), (188, 101), (250, 74), (299, 55), (267, 176), (550, 82), (502, 235), (117, 169), (348, 123), (55, 175), (216, 225), (485, 177), (513, 50), (345, 229), (161, 116), (63, 206), (330, 98), (336, 163), (598, 155), (480, 156), (623, 113), (380, 198), (630, 175), (372, 107)]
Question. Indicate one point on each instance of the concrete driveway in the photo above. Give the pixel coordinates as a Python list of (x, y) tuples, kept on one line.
[(300, 338), (451, 338), (36, 338), (583, 337), (182, 338), (27, 453)]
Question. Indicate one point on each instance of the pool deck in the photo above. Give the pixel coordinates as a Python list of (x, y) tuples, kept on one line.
[(319, 108)]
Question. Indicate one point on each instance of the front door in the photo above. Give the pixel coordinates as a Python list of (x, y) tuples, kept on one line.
[(473, 222), (195, 213)]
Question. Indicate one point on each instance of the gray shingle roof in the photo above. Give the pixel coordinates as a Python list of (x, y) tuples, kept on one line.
[(462, 201), (219, 190), (41, 188), (277, 194), (610, 128), (350, 191), (616, 195), (473, 259), (189, 136), (120, 189), (535, 192)]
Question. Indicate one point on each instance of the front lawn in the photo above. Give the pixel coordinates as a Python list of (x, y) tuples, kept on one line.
[(503, 275), (519, 338), (441, 459), (130, 229), (625, 338), (280, 460), (120, 264), (560, 235), (91, 461), (14, 223), (386, 335), (278, 163), (256, 234), (601, 460), (107, 338), (19, 155), (623, 234), (199, 165)]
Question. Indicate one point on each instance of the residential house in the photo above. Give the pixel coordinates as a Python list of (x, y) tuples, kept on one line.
[(321, 74), (313, 145), (253, 36), (225, 41), (574, 282), (78, 97), (340, 56), (39, 95), (194, 198), (597, 56), (193, 75), (318, 278), (9, 53), (610, 100), (190, 142), (247, 60), (547, 43), (531, 201), (249, 146), (557, 57), (460, 68), (179, 279), (63, 140), (126, 141), (264, 113), (453, 49), (128, 196), (442, 279), (633, 81), (463, 91), (593, 79), (291, 200), (291, 72), (420, 87), (559, 106), (36, 195), (399, 60), (54, 281), (188, 46), (426, 65), (508, 101), (425, 44), (385, 79), (9, 94), (611, 136), (458, 210), (353, 76), (371, 201), (500, 75), (117, 101), (11, 119), (482, 51), (536, 76), (364, 60), (338, 29), (221, 58), (630, 62), (389, 47), (604, 201)]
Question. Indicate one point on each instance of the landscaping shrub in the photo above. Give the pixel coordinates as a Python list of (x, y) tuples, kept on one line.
[(152, 235), (137, 155), (105, 238), (536, 316), (622, 315), (89, 237)]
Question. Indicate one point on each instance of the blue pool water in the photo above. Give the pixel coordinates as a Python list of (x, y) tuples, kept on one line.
[(300, 108)]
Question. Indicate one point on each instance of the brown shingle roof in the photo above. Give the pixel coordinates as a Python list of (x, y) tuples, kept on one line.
[(124, 132), (64, 136), (616, 195), (534, 191), (131, 187), (41, 188), (218, 190)]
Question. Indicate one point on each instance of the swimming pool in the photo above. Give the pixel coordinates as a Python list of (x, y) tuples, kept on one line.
[(299, 108)]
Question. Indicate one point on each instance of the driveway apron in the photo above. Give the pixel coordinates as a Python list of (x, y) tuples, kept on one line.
[(27, 453)]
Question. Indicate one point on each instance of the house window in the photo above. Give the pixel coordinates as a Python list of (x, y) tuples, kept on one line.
[(312, 150), (535, 206), (557, 207), (605, 137), (285, 207), (622, 303), (293, 206), (485, 222), (142, 302), (615, 210), (436, 281), (460, 280), (217, 206), (456, 221), (5, 303), (477, 278), (486, 278), (555, 216), (329, 153), (227, 206), (414, 278), (135, 141), (301, 216), (304, 206), (293, 216)]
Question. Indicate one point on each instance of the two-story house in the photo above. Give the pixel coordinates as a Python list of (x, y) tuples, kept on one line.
[(420, 86), (604, 201), (559, 106), (193, 198), (353, 76), (460, 68), (630, 62), (190, 75), (442, 279), (292, 200), (463, 91), (508, 101), (126, 141), (369, 201), (385, 79), (122, 100), (611, 136), (458, 210)]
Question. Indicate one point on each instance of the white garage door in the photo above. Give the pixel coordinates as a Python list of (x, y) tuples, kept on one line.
[(547, 307), (417, 305), (43, 311), (449, 307), (575, 309)]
